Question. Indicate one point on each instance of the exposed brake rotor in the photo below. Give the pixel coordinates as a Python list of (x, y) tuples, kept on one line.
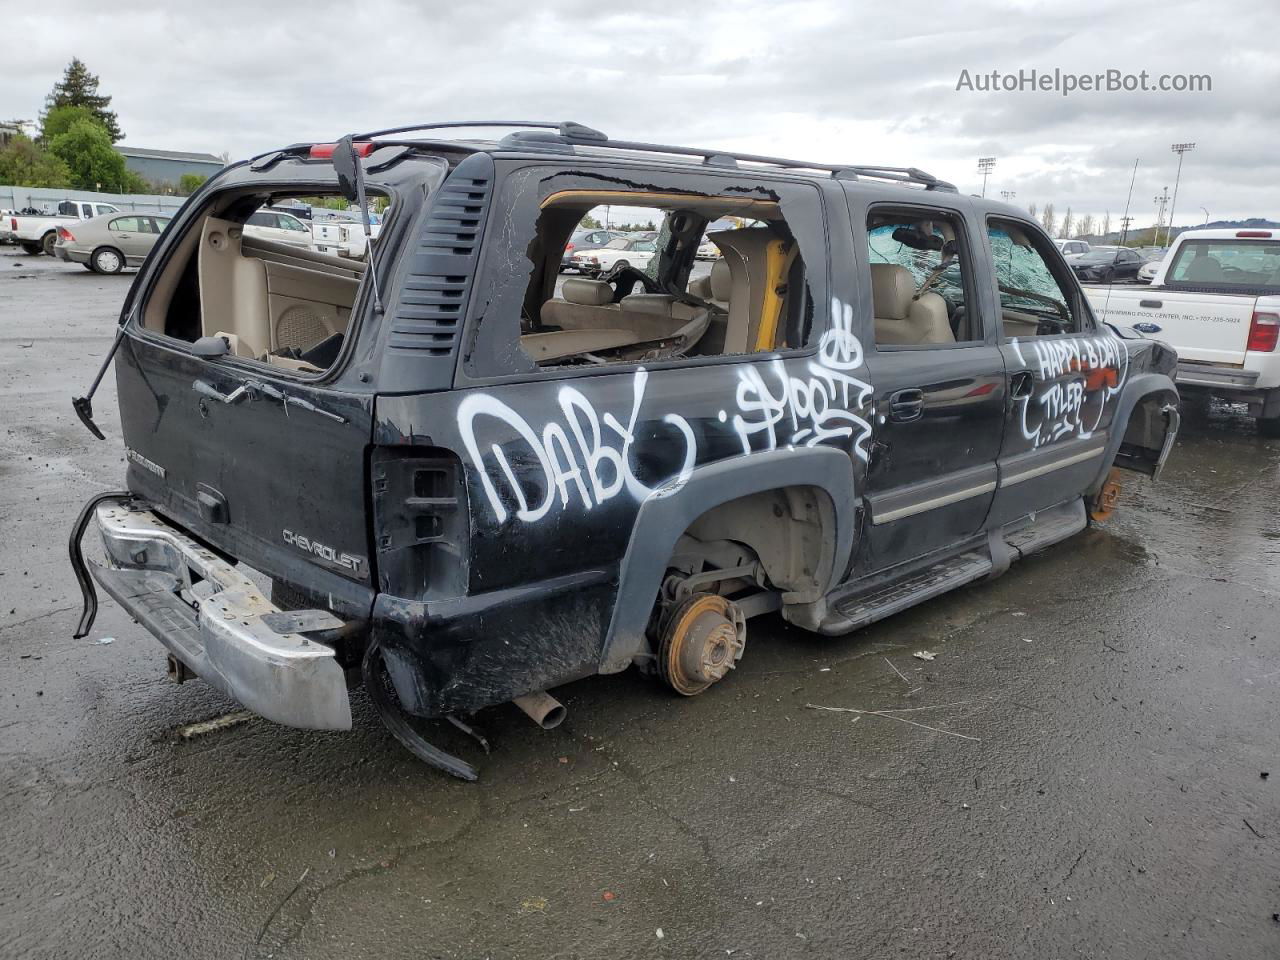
[(702, 639), (1104, 502)]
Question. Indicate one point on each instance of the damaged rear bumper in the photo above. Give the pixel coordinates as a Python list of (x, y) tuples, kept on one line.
[(215, 620)]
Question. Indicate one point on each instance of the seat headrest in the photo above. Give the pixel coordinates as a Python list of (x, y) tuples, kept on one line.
[(721, 281), (892, 288), (591, 293)]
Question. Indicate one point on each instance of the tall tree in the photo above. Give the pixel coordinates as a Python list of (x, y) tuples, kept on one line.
[(1032, 210), (1067, 224), (79, 88), (1106, 223), (1086, 225), (1047, 219)]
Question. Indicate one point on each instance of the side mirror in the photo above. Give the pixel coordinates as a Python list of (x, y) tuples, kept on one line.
[(211, 347), (344, 163)]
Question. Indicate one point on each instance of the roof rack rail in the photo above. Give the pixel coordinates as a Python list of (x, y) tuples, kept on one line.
[(729, 158), (571, 133), (565, 128)]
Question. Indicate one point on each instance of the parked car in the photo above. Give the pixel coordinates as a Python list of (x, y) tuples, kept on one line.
[(707, 250), (1147, 272), (1072, 247), (6, 226), (1215, 298), (109, 243), (280, 227), (617, 254), (38, 233), (584, 240), (503, 483), (1103, 265)]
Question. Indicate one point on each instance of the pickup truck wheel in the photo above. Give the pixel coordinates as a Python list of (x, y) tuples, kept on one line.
[(31, 248), (48, 242), (107, 260), (702, 640), (1269, 426)]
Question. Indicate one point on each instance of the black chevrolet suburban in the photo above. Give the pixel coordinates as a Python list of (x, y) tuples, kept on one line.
[(467, 479)]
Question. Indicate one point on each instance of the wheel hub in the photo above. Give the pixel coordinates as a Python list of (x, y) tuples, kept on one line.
[(702, 640), (1106, 499)]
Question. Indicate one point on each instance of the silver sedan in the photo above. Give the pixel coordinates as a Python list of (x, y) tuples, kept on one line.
[(109, 243)]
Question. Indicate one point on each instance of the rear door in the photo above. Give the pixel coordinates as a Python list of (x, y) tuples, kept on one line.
[(132, 235), (1065, 373), (939, 383), (262, 464)]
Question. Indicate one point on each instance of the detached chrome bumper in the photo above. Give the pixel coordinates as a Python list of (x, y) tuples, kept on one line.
[(216, 621)]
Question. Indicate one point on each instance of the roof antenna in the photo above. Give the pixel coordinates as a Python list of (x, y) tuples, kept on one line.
[(346, 162), (1116, 257)]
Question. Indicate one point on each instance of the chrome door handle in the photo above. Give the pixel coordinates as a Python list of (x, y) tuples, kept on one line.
[(906, 405)]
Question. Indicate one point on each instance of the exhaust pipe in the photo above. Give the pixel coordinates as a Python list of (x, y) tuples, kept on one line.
[(543, 709)]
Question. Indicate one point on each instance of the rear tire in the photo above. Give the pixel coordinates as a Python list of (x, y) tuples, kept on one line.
[(1269, 427), (48, 242), (32, 249), (107, 260)]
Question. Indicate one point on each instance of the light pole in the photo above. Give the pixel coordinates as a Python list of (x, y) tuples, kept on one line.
[(985, 166), (1179, 149), (1161, 201), (1206, 214), (1008, 195)]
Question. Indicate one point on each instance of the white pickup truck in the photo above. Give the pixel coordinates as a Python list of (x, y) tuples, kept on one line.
[(38, 233), (1216, 300)]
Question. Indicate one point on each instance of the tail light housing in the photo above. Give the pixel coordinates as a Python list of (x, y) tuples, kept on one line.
[(66, 235), (1264, 332), (13, 224), (568, 248)]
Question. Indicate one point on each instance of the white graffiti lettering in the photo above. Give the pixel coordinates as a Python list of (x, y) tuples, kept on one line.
[(1077, 378), (825, 405), (580, 464), (584, 457)]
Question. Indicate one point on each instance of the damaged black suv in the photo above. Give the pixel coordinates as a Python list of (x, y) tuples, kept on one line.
[(468, 479)]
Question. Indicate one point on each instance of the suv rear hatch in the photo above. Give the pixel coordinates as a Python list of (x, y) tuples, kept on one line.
[(246, 383)]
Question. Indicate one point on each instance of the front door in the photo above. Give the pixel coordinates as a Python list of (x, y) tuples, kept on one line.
[(939, 388), (133, 236), (1065, 374)]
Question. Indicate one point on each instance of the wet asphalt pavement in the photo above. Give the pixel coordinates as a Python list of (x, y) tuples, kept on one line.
[(1078, 773)]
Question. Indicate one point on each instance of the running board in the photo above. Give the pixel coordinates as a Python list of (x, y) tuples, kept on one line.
[(856, 605)]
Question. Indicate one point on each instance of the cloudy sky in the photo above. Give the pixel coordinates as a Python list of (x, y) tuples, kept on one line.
[(828, 81)]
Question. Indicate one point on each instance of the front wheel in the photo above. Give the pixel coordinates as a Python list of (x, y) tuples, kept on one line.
[(107, 260)]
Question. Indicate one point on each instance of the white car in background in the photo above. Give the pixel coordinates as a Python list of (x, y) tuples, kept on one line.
[(621, 252), (707, 250), (280, 227)]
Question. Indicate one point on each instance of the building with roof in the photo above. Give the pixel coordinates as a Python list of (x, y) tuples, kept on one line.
[(166, 167)]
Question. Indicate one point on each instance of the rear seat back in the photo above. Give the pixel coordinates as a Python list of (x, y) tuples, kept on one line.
[(586, 304)]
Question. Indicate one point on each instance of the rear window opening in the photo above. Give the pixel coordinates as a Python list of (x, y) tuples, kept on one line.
[(274, 275), (643, 277)]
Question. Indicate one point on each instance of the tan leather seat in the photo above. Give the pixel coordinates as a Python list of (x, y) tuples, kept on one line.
[(716, 287), (586, 304), (900, 318)]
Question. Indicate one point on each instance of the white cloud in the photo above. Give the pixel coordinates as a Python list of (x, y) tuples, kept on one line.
[(829, 81)]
